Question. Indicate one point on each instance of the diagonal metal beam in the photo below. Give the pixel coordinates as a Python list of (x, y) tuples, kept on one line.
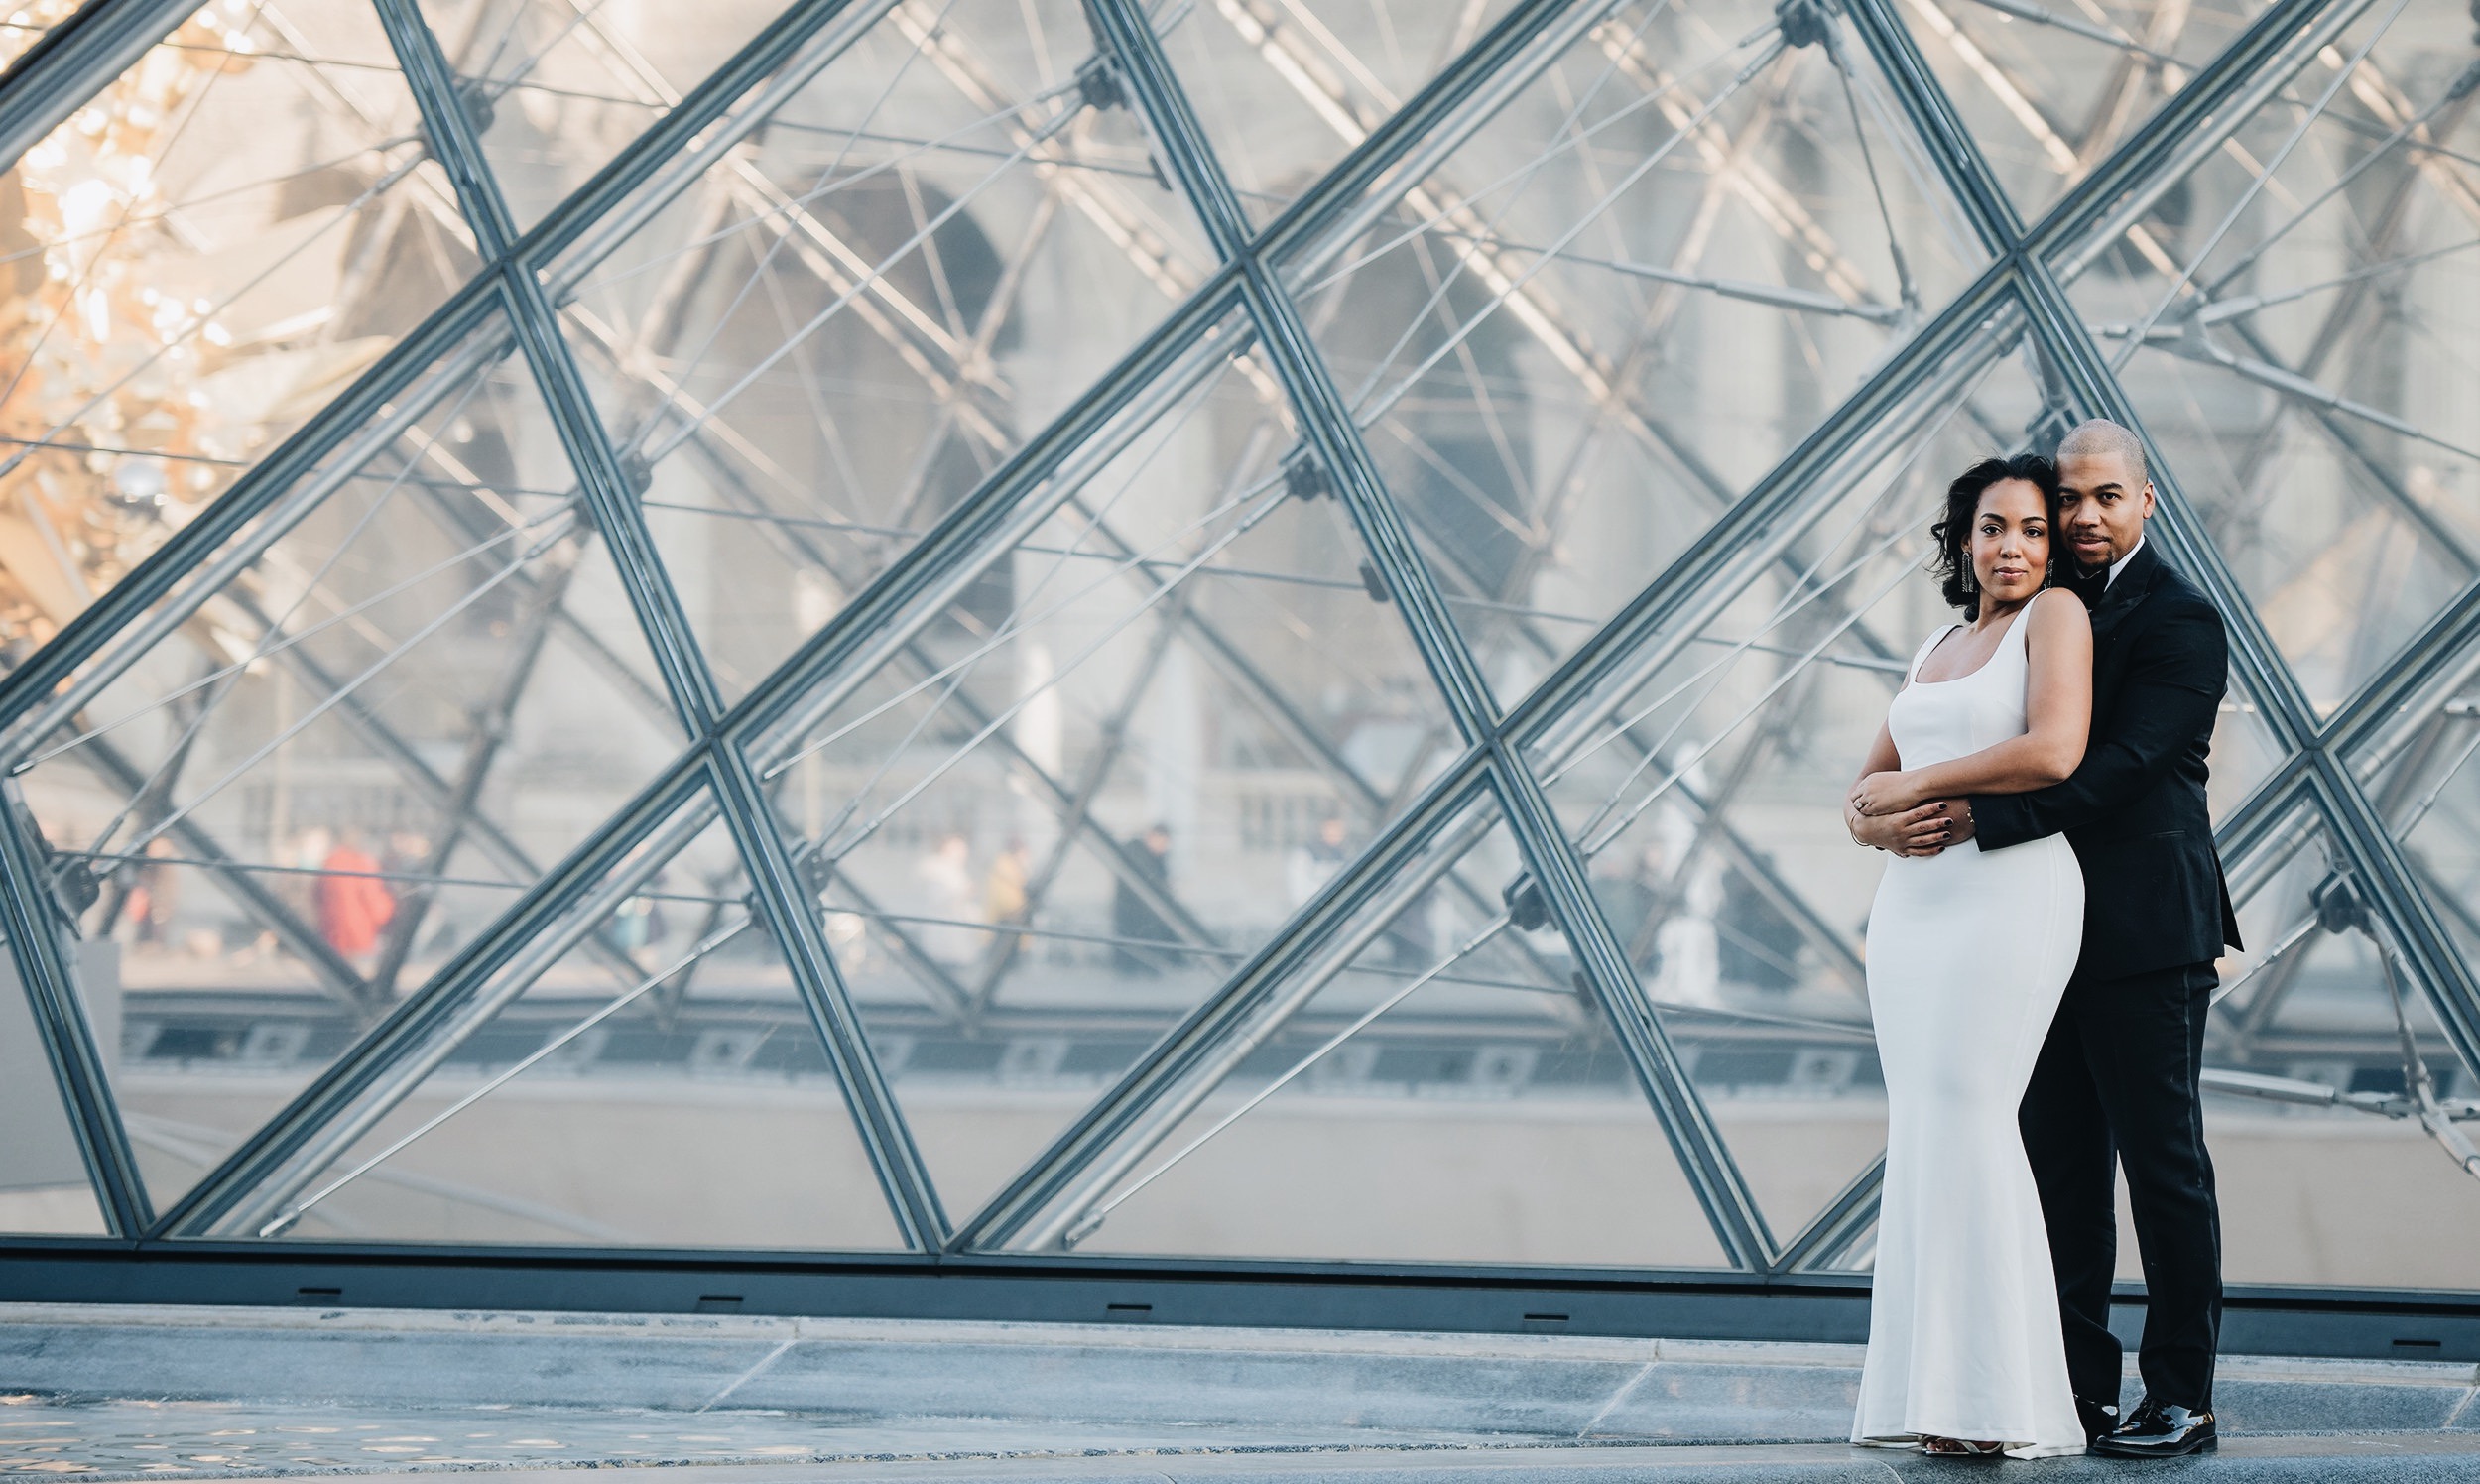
[(33, 925), (793, 913), (72, 62), (455, 145), (1830, 1235), (2197, 121)]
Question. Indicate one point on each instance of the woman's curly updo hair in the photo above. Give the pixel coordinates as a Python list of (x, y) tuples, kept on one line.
[(1953, 534)]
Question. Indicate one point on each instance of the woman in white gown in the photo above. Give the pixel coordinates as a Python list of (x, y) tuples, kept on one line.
[(1967, 955)]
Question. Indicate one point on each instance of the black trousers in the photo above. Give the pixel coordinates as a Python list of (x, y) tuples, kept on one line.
[(2116, 1084)]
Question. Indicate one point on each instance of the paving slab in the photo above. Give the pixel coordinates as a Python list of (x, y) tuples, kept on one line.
[(102, 1394), (1195, 1383)]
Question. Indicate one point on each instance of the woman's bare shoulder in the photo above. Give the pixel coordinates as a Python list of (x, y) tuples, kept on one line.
[(2057, 610)]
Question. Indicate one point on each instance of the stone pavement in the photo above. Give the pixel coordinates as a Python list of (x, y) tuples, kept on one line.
[(96, 1394)]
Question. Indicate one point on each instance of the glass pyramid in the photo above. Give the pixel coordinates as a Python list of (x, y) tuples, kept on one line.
[(1190, 631)]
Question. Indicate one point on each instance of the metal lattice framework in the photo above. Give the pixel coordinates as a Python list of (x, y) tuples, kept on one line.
[(2002, 244)]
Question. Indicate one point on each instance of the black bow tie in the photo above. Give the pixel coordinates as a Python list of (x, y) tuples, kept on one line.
[(2088, 586)]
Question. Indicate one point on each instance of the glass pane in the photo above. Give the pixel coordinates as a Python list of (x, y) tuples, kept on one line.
[(1287, 87), (2049, 90), (818, 347), (1087, 781), (416, 684), (2419, 774), (188, 269), (2245, 751), (1429, 1087), (557, 87), (2333, 1193), (657, 1083), (43, 1188), (2294, 319), (1591, 325)]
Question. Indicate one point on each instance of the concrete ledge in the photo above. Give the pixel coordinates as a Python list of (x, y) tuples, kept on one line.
[(1135, 1292)]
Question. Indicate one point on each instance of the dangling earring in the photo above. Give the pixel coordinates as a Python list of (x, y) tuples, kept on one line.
[(1971, 578)]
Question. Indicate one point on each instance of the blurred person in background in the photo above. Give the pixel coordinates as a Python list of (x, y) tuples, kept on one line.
[(1310, 865), (1132, 916), (353, 903), (944, 878), (1004, 899), (154, 893), (306, 854)]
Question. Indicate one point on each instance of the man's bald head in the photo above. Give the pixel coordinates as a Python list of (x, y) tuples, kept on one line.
[(2103, 437), (2104, 494)]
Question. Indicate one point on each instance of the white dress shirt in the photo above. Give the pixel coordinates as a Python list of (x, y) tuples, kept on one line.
[(2121, 564)]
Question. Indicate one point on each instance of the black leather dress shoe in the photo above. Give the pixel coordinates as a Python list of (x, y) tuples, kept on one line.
[(2158, 1429), (2101, 1418)]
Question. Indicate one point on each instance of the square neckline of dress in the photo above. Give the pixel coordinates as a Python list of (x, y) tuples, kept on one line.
[(1986, 660)]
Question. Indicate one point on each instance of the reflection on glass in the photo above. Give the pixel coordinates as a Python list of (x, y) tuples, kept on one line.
[(190, 267)]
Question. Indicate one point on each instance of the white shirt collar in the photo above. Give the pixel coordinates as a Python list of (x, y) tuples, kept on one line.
[(2120, 565)]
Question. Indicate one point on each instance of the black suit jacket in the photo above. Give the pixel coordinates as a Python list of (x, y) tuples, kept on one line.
[(2134, 809)]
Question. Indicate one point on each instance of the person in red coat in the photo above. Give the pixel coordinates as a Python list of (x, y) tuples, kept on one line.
[(353, 903)]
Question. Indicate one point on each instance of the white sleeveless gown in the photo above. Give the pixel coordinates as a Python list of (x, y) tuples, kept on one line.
[(1968, 954)]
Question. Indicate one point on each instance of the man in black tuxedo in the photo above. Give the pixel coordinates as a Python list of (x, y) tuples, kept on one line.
[(2117, 1079)]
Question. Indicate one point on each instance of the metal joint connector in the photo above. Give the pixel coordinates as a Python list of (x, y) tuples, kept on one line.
[(1808, 23), (1304, 477)]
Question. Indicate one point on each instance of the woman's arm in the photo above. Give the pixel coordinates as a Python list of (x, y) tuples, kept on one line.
[(2057, 720), (2176, 678), (1882, 758)]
